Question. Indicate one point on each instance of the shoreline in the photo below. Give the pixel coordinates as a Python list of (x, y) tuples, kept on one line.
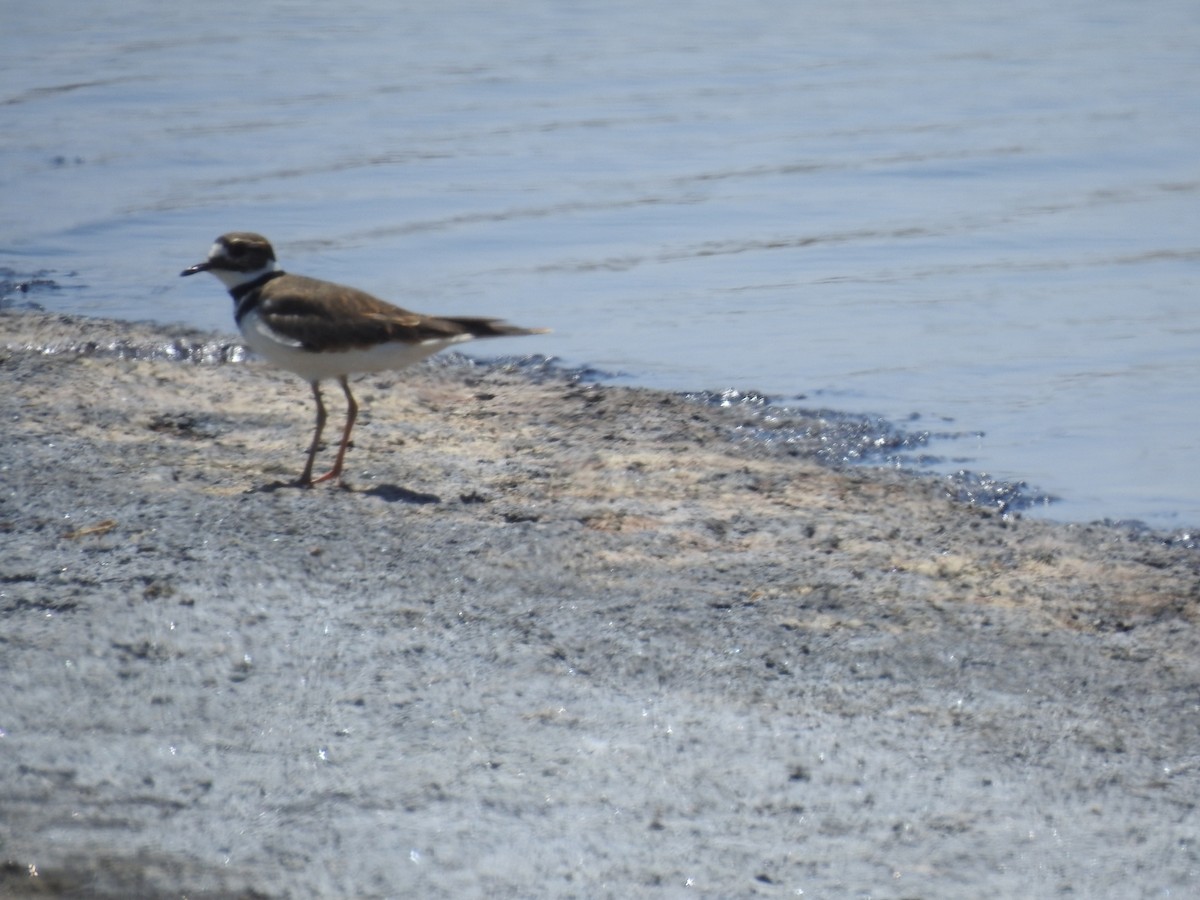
[(558, 637), (834, 437)]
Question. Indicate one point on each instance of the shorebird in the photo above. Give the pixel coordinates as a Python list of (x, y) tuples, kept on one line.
[(321, 330)]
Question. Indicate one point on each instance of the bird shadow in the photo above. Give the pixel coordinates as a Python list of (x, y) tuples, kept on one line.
[(393, 493), (389, 493)]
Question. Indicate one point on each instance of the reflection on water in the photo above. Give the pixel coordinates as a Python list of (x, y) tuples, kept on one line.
[(982, 216)]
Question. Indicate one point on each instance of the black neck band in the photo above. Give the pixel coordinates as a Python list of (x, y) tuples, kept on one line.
[(245, 296), (243, 289)]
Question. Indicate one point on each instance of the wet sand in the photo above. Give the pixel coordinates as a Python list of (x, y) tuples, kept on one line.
[(555, 639)]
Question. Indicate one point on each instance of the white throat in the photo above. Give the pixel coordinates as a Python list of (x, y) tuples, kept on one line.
[(232, 280)]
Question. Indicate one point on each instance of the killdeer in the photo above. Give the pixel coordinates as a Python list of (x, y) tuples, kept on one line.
[(321, 330)]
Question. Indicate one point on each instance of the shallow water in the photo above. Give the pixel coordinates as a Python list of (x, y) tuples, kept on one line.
[(968, 219)]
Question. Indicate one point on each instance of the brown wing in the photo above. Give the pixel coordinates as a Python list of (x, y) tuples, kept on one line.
[(344, 317)]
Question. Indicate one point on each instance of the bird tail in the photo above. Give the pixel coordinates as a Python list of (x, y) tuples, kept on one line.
[(481, 328)]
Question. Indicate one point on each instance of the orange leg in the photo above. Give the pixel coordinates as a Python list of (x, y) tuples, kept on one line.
[(351, 415), (306, 478)]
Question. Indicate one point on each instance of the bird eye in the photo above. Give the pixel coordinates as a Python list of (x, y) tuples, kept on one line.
[(236, 250)]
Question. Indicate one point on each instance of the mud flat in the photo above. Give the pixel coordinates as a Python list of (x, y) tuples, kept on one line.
[(556, 639)]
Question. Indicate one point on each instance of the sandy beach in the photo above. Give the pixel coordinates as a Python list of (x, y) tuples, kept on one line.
[(555, 638)]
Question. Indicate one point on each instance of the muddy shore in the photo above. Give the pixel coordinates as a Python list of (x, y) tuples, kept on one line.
[(555, 639)]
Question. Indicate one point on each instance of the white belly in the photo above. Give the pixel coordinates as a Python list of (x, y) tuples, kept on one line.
[(319, 365)]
